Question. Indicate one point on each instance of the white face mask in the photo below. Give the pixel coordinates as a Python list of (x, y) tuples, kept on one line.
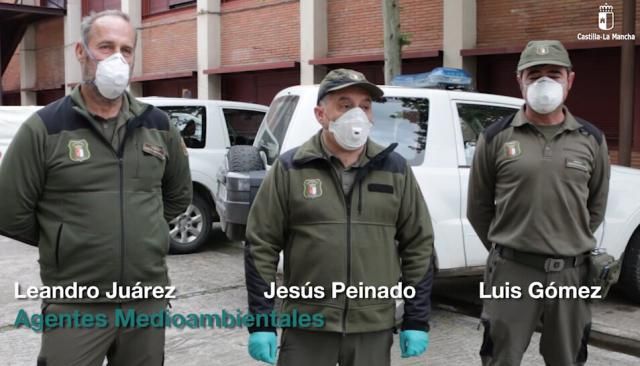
[(545, 95), (351, 130), (112, 75)]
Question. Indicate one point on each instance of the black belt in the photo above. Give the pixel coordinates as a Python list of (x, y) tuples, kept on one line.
[(541, 261)]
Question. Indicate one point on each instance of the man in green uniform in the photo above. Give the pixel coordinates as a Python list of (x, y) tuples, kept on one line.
[(92, 180), (345, 211), (537, 192)]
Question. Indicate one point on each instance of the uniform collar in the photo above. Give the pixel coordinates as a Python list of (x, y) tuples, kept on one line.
[(362, 159), (129, 103), (570, 122)]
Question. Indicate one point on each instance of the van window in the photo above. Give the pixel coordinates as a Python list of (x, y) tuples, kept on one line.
[(191, 122), (474, 118), (242, 125), (403, 120), (274, 126)]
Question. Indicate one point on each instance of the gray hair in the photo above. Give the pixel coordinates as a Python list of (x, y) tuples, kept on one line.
[(87, 23)]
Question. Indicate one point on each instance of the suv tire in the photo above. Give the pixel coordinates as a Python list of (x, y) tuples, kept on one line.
[(191, 229)]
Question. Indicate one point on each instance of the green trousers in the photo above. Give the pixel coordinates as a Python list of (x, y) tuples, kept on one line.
[(122, 346), (302, 347), (510, 323)]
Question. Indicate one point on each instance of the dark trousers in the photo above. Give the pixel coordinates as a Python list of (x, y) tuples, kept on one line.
[(510, 323), (302, 347), (123, 346)]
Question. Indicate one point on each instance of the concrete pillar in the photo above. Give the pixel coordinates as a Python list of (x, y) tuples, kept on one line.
[(134, 9), (28, 67), (459, 33), (28, 63), (209, 41), (72, 35), (313, 39)]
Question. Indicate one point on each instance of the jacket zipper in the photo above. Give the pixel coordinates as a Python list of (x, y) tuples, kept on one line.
[(347, 199), (120, 156), (346, 299), (121, 168), (347, 203)]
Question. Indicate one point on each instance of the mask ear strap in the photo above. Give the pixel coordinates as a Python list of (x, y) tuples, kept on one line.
[(86, 48)]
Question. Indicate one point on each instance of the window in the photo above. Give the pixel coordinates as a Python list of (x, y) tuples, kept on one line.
[(96, 6), (191, 122), (474, 118), (60, 4), (150, 7), (405, 121), (274, 127), (242, 125)]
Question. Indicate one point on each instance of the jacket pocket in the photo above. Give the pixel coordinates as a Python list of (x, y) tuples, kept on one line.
[(577, 164), (151, 159), (577, 170), (57, 246)]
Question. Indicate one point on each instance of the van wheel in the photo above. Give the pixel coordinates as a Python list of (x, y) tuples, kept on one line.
[(630, 274), (191, 229), (243, 158)]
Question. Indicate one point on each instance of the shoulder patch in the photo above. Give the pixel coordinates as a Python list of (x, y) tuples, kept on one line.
[(79, 150), (312, 188), (590, 129), (497, 127)]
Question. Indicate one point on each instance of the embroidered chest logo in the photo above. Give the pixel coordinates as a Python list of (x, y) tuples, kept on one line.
[(312, 188), (79, 150), (512, 149)]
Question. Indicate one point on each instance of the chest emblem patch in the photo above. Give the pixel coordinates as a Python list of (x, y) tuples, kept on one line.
[(312, 188), (512, 149), (79, 150)]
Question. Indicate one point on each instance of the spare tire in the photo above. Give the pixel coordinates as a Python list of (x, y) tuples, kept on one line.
[(243, 158)]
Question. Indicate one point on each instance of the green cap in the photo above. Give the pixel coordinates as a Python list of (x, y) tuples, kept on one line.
[(343, 78), (543, 53)]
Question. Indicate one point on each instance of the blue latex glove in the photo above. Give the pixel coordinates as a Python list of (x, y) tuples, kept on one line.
[(263, 346), (413, 343)]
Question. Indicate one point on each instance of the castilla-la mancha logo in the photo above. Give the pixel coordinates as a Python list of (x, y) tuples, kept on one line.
[(606, 22), (606, 17)]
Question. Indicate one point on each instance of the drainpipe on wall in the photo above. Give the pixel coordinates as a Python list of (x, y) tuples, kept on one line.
[(627, 84)]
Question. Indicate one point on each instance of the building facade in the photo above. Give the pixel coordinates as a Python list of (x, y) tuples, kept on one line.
[(248, 50)]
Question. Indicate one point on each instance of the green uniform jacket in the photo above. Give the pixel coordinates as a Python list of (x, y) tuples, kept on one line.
[(97, 215), (537, 195), (378, 235)]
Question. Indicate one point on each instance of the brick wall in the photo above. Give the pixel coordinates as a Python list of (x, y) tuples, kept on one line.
[(356, 28), (169, 42), (260, 31), (510, 22), (50, 54), (50, 58), (422, 19)]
